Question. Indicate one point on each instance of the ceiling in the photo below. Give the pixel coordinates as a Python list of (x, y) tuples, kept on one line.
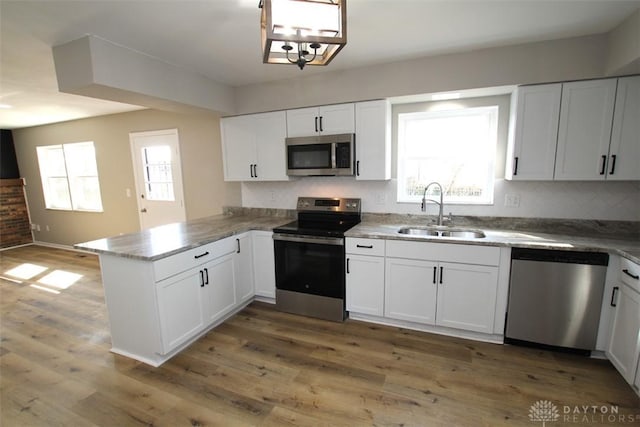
[(220, 39)]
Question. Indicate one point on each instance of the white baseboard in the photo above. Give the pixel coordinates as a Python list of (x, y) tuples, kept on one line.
[(16, 246)]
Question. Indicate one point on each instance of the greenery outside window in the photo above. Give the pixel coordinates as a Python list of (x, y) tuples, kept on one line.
[(70, 177), (456, 148)]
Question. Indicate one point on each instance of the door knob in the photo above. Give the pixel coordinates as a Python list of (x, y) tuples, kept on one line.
[(143, 210)]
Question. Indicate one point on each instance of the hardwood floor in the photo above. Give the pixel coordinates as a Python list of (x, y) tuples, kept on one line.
[(267, 368)]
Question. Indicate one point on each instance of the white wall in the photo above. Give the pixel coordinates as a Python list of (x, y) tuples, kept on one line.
[(557, 60), (578, 200), (623, 53)]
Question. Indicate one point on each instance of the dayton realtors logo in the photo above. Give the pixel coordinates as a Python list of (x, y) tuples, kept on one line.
[(545, 411)]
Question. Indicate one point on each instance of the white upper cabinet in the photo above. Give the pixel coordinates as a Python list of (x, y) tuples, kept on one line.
[(624, 152), (253, 147), (584, 133), (373, 140), (586, 130), (533, 132), (327, 120), (238, 147)]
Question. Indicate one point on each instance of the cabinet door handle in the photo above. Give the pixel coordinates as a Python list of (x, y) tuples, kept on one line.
[(238, 242), (321, 124), (255, 170), (435, 269), (316, 123), (613, 164), (515, 166), (201, 279), (251, 170), (604, 165), (365, 246), (357, 167), (201, 255), (633, 276), (347, 265), (613, 296), (441, 270), (206, 276)]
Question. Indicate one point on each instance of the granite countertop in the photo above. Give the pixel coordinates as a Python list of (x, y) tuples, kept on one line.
[(166, 240), (163, 241), (627, 248)]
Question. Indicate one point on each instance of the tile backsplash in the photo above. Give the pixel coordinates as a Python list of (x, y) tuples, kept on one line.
[(559, 199)]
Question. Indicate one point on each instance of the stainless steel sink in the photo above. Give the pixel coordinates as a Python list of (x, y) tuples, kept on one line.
[(419, 231), (457, 233), (464, 234)]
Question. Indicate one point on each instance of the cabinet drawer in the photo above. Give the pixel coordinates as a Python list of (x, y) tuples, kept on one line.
[(630, 273), (468, 254), (374, 247), (172, 265)]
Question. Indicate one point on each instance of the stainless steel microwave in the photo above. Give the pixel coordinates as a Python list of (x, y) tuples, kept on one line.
[(321, 155)]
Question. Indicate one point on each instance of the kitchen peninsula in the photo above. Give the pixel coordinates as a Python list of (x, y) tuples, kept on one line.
[(166, 286)]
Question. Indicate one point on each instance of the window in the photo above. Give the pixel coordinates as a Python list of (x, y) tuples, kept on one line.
[(456, 148), (158, 179), (70, 177)]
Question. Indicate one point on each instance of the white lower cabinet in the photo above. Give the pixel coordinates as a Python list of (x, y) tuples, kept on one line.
[(180, 307), (624, 346), (365, 284), (190, 301), (219, 296), (194, 299), (624, 343), (409, 293), (156, 308), (264, 264), (454, 295), (243, 266), (365, 276), (467, 297), (422, 287)]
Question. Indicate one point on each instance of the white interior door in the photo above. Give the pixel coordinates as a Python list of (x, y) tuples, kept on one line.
[(158, 177)]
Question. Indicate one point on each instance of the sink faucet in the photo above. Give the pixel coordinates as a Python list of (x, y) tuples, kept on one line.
[(440, 203)]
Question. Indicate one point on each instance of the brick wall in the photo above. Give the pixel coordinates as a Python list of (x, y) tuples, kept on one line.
[(14, 217)]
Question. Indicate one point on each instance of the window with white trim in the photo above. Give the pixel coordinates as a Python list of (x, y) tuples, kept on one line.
[(70, 177), (456, 148)]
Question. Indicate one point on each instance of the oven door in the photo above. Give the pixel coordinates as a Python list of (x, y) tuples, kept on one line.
[(310, 265)]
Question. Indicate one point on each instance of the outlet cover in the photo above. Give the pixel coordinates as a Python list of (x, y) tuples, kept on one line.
[(512, 200)]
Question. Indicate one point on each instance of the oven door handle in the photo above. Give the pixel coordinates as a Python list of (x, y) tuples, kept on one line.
[(336, 241)]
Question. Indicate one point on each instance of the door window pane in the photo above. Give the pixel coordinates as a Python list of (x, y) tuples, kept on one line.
[(158, 177)]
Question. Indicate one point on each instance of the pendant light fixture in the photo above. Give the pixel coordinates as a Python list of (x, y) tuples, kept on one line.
[(302, 32)]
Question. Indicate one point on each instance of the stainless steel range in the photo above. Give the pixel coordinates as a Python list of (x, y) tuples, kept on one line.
[(309, 257)]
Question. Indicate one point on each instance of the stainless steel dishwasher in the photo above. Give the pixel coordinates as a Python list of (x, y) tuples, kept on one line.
[(555, 297)]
